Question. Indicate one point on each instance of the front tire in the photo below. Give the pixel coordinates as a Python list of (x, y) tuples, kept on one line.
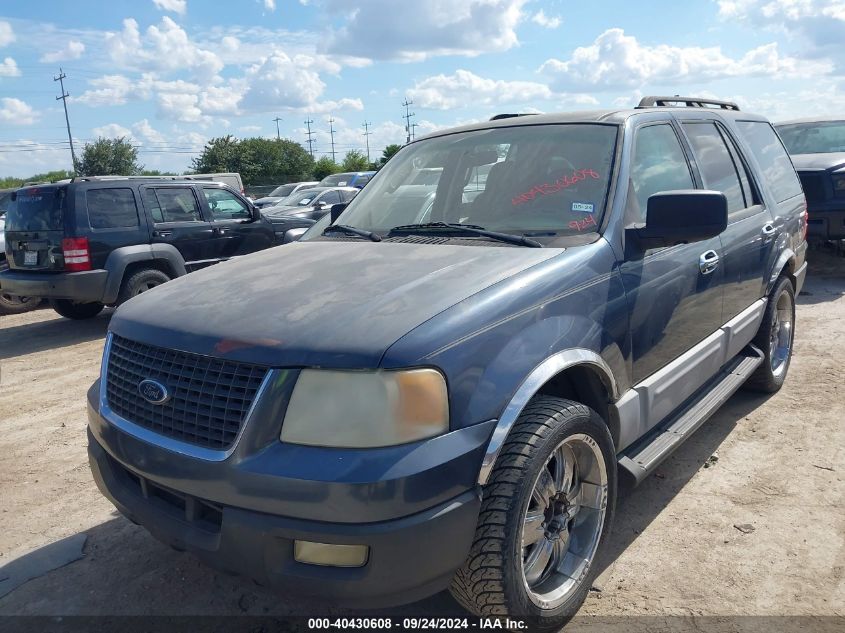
[(74, 310), (13, 304), (545, 512), (775, 338)]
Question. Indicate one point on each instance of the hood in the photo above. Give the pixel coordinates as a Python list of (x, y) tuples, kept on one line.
[(818, 162), (329, 303)]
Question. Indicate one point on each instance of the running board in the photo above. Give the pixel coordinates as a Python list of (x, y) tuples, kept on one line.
[(644, 456)]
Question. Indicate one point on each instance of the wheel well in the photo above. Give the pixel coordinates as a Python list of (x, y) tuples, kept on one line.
[(156, 264), (585, 385)]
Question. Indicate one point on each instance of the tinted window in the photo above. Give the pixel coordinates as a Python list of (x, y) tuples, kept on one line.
[(337, 180), (715, 162), (347, 195), (111, 208), (331, 197), (225, 205), (5, 201), (659, 164), (774, 161), (36, 209), (820, 137), (176, 204), (282, 192)]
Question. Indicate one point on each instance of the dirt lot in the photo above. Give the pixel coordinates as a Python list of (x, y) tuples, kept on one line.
[(776, 464)]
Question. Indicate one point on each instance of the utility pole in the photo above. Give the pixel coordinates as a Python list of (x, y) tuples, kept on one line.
[(331, 131), (278, 134), (407, 117), (310, 140), (414, 130), (64, 97), (367, 133)]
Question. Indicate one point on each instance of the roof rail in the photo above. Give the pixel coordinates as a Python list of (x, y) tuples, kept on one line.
[(95, 178), (689, 102), (497, 117)]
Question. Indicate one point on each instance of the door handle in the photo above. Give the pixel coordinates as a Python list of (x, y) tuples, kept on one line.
[(162, 233), (708, 262), (222, 230), (769, 231)]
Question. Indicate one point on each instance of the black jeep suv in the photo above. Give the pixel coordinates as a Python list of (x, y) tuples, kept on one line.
[(94, 242)]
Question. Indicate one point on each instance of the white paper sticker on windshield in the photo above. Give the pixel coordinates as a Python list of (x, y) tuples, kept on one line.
[(342, 183), (582, 207)]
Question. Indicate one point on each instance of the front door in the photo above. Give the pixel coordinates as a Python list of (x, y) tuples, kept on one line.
[(231, 220)]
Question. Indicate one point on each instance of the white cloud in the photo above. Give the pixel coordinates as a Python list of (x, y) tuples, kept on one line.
[(7, 35), (8, 68), (615, 60), (16, 112), (249, 128), (72, 50), (112, 130), (144, 130), (549, 22), (176, 6), (386, 29), (109, 90), (270, 5)]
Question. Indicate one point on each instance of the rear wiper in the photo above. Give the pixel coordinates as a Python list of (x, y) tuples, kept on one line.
[(351, 230), (471, 229)]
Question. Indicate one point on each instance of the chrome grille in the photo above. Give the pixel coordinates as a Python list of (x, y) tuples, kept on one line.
[(209, 397)]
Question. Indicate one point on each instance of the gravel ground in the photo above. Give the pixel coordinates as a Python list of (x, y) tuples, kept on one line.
[(773, 465)]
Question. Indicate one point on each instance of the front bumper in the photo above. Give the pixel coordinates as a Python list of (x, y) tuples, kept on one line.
[(242, 514), (88, 286)]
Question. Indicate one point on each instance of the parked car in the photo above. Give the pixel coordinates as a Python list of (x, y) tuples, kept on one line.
[(355, 179), (280, 193), (389, 408), (9, 303), (817, 147), (94, 242), (305, 207)]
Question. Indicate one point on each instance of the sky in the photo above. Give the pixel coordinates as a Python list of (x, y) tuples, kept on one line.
[(171, 74)]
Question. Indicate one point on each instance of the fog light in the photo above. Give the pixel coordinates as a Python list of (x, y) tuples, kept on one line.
[(330, 555)]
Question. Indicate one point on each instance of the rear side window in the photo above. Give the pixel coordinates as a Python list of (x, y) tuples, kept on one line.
[(172, 204), (111, 208), (774, 161), (659, 164), (715, 162), (36, 209)]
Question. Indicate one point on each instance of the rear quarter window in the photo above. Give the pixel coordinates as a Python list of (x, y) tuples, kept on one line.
[(111, 208), (770, 153)]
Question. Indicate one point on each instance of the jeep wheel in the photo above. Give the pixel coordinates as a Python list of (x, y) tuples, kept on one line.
[(775, 338), (75, 310), (139, 282), (546, 509), (13, 304)]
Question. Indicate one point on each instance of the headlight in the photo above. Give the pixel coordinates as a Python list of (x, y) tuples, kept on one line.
[(358, 409), (839, 184)]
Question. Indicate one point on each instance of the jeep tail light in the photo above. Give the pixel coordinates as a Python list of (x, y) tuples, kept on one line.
[(77, 254)]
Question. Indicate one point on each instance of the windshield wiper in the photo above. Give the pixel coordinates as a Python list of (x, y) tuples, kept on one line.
[(470, 229), (351, 230)]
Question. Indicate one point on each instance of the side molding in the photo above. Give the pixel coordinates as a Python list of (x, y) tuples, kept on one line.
[(541, 374)]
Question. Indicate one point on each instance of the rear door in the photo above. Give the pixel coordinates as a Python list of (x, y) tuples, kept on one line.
[(747, 243), (35, 226), (111, 220), (176, 218), (236, 233)]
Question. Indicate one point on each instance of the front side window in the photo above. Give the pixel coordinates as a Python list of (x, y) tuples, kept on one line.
[(111, 208), (225, 205), (173, 204), (331, 197), (778, 171), (715, 163), (659, 164), (541, 180), (819, 137)]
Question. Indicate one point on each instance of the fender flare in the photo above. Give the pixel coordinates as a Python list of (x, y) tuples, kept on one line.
[(538, 377), (786, 255), (120, 258)]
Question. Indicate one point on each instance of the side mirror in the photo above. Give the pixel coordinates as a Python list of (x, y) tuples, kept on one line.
[(337, 209), (255, 213), (293, 235), (675, 217)]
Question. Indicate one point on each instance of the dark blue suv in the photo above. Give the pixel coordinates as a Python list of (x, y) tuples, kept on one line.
[(436, 386)]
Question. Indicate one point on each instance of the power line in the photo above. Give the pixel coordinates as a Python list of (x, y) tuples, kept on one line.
[(278, 134), (310, 134), (409, 129), (64, 97), (367, 133), (331, 131)]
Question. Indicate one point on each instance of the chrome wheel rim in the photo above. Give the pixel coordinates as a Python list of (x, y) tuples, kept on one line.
[(564, 520), (780, 337)]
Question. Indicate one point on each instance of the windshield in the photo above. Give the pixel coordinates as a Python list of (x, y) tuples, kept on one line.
[(528, 180), (821, 137), (282, 192), (35, 209), (300, 198)]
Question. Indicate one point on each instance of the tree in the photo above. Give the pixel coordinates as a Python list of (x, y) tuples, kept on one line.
[(219, 155), (51, 176), (389, 152), (325, 167), (258, 160), (109, 157), (354, 161)]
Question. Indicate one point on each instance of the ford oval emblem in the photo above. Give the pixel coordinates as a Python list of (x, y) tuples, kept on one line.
[(153, 391)]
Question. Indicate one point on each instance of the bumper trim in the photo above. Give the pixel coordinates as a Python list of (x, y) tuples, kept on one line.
[(88, 286)]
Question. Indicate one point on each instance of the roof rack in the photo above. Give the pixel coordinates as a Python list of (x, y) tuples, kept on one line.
[(689, 102), (497, 117), (95, 178)]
